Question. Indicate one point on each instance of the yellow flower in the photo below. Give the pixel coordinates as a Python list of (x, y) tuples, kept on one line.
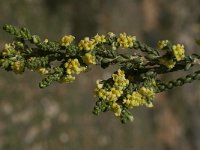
[(43, 71), (147, 92), (87, 44), (8, 49), (120, 72), (111, 34), (8, 46), (68, 79), (100, 38), (116, 109), (89, 59), (101, 93), (169, 63), (73, 66), (126, 41), (150, 104), (46, 41), (134, 99), (107, 94), (67, 40), (18, 67), (178, 51), (138, 98), (162, 44), (99, 85), (114, 94), (120, 82)]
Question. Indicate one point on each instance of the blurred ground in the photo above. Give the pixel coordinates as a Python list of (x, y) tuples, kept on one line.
[(59, 117)]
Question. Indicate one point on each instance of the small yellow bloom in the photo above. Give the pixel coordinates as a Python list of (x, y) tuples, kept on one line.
[(18, 67), (101, 93), (149, 104), (162, 44), (43, 71), (8, 49), (126, 41), (120, 72), (111, 34), (134, 99), (116, 109), (114, 94), (100, 38), (169, 63), (73, 66), (67, 40), (8, 46), (89, 59), (138, 98), (178, 51), (68, 79), (147, 92), (87, 44), (107, 94), (120, 82), (99, 85), (46, 40)]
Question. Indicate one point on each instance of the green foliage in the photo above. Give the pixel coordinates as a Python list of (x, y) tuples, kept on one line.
[(134, 84)]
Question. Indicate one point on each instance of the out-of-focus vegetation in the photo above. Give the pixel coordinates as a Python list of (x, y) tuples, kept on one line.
[(58, 117)]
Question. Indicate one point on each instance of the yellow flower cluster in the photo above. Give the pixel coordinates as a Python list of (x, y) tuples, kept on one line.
[(88, 58), (116, 108), (43, 71), (18, 67), (68, 79), (147, 92), (169, 63), (87, 44), (120, 82), (108, 94), (73, 67), (178, 51), (134, 99), (100, 38), (112, 94), (138, 98), (67, 40), (126, 41), (101, 93), (162, 44), (8, 49)]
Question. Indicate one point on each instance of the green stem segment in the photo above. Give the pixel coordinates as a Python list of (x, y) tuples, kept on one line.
[(178, 82)]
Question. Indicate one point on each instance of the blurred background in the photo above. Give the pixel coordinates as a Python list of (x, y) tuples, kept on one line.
[(59, 117)]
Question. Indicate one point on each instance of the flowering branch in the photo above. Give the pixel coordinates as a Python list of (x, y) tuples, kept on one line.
[(134, 84)]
